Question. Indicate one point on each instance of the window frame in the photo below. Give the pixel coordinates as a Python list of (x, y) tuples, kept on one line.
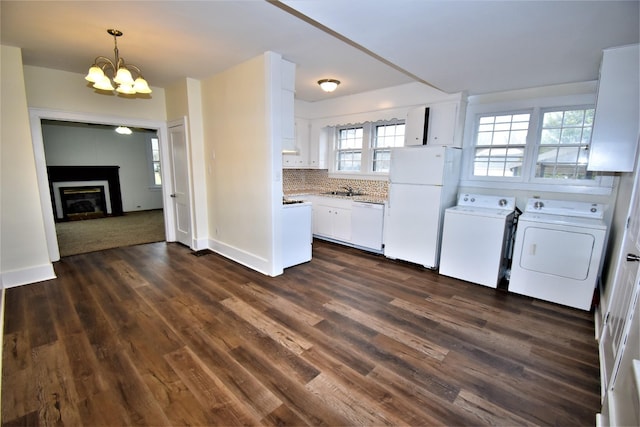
[(525, 147), (338, 151), (538, 145), (603, 184), (367, 153)]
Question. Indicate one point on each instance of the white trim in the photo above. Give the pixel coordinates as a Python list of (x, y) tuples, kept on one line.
[(254, 262), (36, 115), (28, 275), (2, 305), (167, 176)]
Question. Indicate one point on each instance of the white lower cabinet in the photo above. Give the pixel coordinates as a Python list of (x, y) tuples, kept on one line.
[(345, 221), (332, 221)]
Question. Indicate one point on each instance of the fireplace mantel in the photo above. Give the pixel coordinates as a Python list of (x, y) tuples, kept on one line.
[(90, 173)]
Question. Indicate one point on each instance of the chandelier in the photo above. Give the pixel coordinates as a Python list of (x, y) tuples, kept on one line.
[(120, 71)]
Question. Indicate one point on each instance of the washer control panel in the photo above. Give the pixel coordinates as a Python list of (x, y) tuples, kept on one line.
[(485, 201), (566, 208)]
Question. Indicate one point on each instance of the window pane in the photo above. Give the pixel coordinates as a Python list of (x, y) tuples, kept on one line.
[(564, 142), (553, 119), (350, 138), (391, 135), (381, 160), (518, 137), (484, 138), (508, 135), (349, 160), (573, 118), (550, 136)]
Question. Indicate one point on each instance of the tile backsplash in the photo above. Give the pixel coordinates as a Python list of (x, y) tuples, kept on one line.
[(317, 180)]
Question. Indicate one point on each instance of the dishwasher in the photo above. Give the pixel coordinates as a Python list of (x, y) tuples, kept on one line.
[(366, 225)]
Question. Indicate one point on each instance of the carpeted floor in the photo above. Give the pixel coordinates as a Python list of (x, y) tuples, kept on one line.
[(133, 228)]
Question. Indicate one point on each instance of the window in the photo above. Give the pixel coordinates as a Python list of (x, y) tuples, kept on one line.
[(547, 145), (564, 144), (387, 137), (500, 145), (349, 150), (366, 148), (155, 162)]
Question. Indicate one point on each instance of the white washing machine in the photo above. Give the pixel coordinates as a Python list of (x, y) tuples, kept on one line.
[(557, 252), (476, 238)]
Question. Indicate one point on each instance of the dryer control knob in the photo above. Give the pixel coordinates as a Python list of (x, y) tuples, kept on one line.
[(538, 205), (594, 210), (503, 202), (473, 199)]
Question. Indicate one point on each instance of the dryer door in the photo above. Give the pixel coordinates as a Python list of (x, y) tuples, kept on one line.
[(557, 252)]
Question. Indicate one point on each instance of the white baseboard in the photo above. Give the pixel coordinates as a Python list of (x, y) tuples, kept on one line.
[(243, 257), (27, 276), (200, 244)]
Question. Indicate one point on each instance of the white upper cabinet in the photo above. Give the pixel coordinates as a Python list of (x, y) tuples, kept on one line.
[(300, 157), (615, 129), (288, 95), (443, 124)]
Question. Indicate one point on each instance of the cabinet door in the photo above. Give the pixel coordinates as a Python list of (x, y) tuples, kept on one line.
[(342, 224), (615, 128), (414, 126), (288, 122), (442, 124), (302, 142), (322, 220)]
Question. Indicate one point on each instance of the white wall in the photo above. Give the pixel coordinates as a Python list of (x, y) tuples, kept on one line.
[(65, 91), (24, 256), (67, 144), (387, 103), (242, 154)]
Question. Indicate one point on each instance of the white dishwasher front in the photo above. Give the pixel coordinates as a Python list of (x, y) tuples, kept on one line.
[(367, 221)]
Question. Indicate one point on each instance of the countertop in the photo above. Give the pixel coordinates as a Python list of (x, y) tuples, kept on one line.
[(367, 198)]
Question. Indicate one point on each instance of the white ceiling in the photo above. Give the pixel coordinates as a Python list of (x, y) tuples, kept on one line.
[(474, 46)]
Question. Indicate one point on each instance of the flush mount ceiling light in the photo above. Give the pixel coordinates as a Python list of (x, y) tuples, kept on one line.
[(328, 85), (120, 71), (123, 130)]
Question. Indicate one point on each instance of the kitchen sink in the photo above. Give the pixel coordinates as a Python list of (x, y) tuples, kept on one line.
[(344, 193)]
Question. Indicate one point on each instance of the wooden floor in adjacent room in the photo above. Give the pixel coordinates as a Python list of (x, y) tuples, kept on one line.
[(153, 335)]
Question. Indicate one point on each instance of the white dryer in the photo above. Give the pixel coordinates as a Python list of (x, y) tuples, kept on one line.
[(476, 238), (557, 252)]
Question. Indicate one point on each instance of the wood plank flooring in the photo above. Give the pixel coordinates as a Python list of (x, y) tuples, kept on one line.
[(153, 335)]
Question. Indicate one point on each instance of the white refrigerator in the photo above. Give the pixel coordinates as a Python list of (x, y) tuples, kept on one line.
[(423, 182)]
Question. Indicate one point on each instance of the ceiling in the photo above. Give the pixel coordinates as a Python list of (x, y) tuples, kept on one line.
[(473, 46)]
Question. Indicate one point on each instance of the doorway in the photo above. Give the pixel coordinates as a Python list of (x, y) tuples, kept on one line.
[(105, 185), (38, 116)]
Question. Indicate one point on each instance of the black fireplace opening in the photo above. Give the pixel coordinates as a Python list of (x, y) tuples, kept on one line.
[(85, 202)]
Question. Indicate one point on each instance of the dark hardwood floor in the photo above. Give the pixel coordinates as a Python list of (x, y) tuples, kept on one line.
[(153, 335)]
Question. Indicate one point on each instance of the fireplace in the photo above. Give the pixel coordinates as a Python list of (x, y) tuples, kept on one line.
[(85, 202), (87, 187)]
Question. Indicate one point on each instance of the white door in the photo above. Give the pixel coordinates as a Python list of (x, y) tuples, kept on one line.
[(180, 193), (618, 337)]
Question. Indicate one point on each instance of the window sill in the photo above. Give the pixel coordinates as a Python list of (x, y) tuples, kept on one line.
[(604, 189), (363, 176)]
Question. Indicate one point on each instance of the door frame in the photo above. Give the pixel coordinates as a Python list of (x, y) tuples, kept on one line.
[(36, 115), (170, 161)]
